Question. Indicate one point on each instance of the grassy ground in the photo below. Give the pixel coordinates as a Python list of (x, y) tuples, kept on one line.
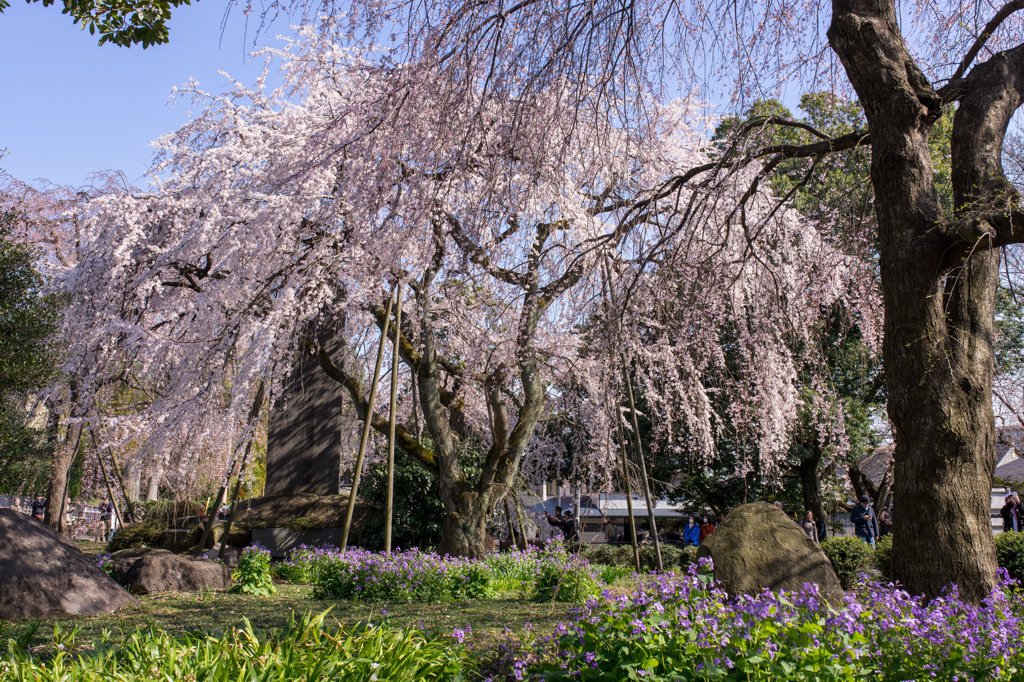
[(217, 611), (213, 611)]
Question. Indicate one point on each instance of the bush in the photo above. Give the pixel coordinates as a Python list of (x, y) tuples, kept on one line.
[(570, 581), (514, 571), (883, 558), (302, 564), (675, 628), (600, 554), (849, 557), (143, 533), (252, 575), (401, 576), (609, 574), (1010, 554)]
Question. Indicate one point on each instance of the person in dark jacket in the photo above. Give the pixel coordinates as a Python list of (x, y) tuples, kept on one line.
[(884, 524), (691, 533), (865, 526), (1012, 513), (567, 524), (39, 508)]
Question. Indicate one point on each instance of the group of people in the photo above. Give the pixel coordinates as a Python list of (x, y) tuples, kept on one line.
[(104, 530), (36, 508)]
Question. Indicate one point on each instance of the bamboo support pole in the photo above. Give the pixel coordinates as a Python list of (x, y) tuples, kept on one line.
[(643, 466), (106, 478), (366, 425), (254, 411), (389, 504), (629, 493), (524, 541)]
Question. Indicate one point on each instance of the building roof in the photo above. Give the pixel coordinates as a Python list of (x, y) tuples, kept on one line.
[(875, 464), (1012, 471)]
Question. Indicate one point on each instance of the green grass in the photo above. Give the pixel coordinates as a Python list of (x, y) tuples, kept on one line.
[(177, 613)]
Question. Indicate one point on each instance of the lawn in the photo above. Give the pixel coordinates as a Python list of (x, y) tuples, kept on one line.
[(216, 611)]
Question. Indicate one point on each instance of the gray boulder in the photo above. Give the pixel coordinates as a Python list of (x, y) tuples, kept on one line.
[(158, 570), (758, 546), (43, 575)]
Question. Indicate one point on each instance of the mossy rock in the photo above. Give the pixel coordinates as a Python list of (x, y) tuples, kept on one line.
[(302, 511), (760, 547)]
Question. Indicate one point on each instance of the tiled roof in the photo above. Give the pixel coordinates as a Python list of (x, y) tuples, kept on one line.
[(876, 463)]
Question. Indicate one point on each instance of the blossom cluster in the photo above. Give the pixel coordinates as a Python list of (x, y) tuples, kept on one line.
[(672, 624)]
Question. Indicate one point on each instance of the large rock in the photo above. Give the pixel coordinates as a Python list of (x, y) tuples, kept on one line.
[(42, 575), (758, 546), (301, 511), (158, 570)]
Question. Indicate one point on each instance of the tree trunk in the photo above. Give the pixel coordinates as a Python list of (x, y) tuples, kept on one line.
[(464, 531), (810, 484), (939, 277)]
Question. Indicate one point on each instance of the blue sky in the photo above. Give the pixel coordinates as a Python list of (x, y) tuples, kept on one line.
[(69, 107)]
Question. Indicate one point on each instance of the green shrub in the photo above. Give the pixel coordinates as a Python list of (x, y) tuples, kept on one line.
[(687, 556), (849, 557), (1010, 554), (600, 554), (143, 533), (609, 574), (623, 555), (883, 558), (402, 576), (252, 575), (569, 581)]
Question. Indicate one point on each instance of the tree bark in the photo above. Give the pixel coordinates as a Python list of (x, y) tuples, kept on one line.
[(939, 277), (464, 530), (810, 484)]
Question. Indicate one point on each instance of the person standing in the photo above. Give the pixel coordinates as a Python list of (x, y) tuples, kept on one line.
[(16, 506), (884, 524), (810, 527), (38, 508), (706, 528), (863, 519), (106, 516), (1012, 513), (611, 533), (821, 527), (691, 533)]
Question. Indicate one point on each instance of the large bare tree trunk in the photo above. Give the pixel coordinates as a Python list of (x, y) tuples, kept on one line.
[(464, 530), (939, 279)]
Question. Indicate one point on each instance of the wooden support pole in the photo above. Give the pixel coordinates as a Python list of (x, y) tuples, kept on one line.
[(366, 425), (643, 466), (524, 542), (129, 506), (254, 412), (234, 500), (389, 504), (629, 491), (106, 478)]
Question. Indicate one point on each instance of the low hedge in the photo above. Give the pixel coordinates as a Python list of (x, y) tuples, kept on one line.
[(849, 556)]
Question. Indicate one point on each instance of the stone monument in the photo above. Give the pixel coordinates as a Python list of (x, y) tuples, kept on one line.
[(304, 439)]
